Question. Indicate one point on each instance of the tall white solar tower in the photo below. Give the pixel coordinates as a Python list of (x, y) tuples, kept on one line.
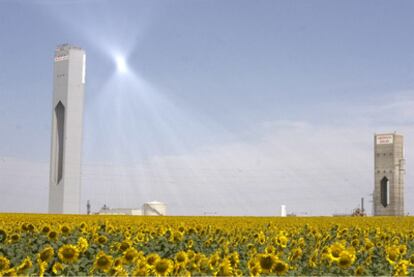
[(67, 123)]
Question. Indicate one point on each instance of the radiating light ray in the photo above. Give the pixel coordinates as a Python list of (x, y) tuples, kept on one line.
[(134, 124), (107, 35), (126, 96)]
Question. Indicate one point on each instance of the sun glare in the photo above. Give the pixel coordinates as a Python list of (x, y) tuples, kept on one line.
[(121, 64)]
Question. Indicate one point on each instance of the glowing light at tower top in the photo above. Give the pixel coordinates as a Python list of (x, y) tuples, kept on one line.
[(121, 64)]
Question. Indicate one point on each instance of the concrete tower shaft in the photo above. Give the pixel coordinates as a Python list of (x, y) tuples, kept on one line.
[(388, 197), (67, 125)]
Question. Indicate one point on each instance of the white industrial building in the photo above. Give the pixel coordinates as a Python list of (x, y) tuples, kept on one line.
[(153, 208)]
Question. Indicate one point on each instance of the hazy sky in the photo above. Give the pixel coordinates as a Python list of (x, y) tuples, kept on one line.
[(228, 107)]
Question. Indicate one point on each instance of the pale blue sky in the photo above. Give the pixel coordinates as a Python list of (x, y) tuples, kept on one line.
[(249, 84)]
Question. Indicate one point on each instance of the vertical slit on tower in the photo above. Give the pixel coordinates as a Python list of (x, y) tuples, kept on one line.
[(385, 187), (60, 120)]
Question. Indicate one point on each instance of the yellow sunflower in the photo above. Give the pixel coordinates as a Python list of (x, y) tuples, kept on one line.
[(57, 268), (46, 254), (101, 239), (118, 271), (64, 229), (334, 251), (117, 262), (129, 255), (14, 238), (255, 270), (401, 268), (152, 259), (280, 267), (224, 269), (411, 260), (234, 259), (68, 253), (42, 267), (4, 263), (52, 235), (181, 258), (214, 261), (266, 262), (124, 245), (103, 262), (45, 229), (282, 241), (163, 267), (392, 254), (9, 272), (295, 254), (141, 269), (83, 244), (346, 259), (25, 265)]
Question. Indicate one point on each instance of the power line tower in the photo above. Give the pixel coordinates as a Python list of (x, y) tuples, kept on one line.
[(88, 207)]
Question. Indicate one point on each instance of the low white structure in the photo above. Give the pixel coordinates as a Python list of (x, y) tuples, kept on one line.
[(154, 208), (119, 211), (283, 210)]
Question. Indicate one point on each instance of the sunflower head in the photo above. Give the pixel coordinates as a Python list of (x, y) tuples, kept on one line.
[(9, 272), (129, 255), (102, 239), (64, 229), (45, 229), (360, 271), (42, 267), (402, 249), (140, 237), (190, 244), (401, 268), (255, 270), (393, 254), (14, 237), (181, 258), (47, 253), (266, 262), (83, 225), (31, 227), (368, 244), (141, 271), (83, 244), (57, 268), (296, 253), (346, 259), (270, 249), (152, 259), (4, 263), (25, 265), (282, 241), (68, 253), (313, 260), (162, 267), (334, 251), (214, 261), (103, 262), (224, 269), (118, 271), (124, 245), (411, 260), (280, 267), (52, 235)]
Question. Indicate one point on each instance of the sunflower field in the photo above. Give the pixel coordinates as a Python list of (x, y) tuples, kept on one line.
[(205, 246)]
